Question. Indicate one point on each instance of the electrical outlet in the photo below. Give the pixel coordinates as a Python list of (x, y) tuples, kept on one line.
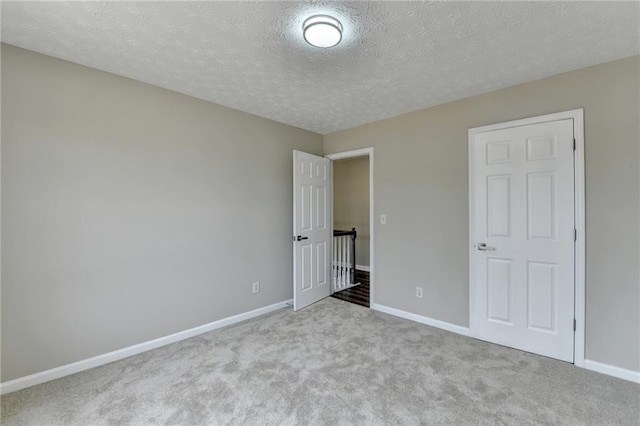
[(419, 292), (256, 287), (383, 219)]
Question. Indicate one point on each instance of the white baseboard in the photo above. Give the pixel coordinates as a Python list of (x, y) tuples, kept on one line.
[(86, 364), (346, 287), (423, 320), (610, 370), (348, 265), (96, 361)]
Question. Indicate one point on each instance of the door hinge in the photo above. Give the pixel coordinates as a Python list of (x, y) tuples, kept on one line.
[(575, 235), (574, 144), (574, 324)]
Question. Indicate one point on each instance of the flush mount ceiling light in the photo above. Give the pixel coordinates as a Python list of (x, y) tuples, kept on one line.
[(322, 31)]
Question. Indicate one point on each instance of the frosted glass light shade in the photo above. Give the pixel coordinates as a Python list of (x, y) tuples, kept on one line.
[(322, 31)]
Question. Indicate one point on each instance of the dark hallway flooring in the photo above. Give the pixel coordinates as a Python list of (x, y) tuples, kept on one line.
[(358, 294)]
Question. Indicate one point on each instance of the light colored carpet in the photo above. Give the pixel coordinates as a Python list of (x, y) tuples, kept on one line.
[(332, 363)]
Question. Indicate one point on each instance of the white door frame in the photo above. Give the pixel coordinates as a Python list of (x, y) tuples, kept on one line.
[(577, 115), (364, 152)]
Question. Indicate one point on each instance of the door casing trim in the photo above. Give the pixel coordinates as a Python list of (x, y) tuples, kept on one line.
[(364, 152), (577, 115)]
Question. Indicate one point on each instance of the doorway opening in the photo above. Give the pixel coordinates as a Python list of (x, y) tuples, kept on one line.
[(352, 226)]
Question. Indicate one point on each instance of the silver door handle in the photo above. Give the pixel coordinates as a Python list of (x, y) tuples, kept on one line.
[(483, 247)]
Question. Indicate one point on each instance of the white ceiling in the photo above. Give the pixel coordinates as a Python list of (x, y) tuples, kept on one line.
[(395, 57)]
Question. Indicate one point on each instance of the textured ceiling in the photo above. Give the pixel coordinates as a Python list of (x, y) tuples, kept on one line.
[(395, 57)]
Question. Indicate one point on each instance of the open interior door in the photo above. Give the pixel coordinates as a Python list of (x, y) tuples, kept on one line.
[(312, 228)]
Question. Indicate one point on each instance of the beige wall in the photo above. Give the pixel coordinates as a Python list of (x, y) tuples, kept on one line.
[(131, 212), (351, 202), (421, 184)]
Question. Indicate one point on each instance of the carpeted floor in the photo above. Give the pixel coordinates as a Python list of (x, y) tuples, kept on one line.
[(332, 363)]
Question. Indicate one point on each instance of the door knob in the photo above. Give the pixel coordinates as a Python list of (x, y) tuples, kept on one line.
[(483, 247), (300, 238)]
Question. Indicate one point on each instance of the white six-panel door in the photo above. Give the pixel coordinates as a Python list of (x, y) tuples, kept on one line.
[(312, 228), (522, 261)]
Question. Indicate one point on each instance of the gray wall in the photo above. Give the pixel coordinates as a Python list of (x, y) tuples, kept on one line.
[(131, 212), (421, 184), (351, 202)]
